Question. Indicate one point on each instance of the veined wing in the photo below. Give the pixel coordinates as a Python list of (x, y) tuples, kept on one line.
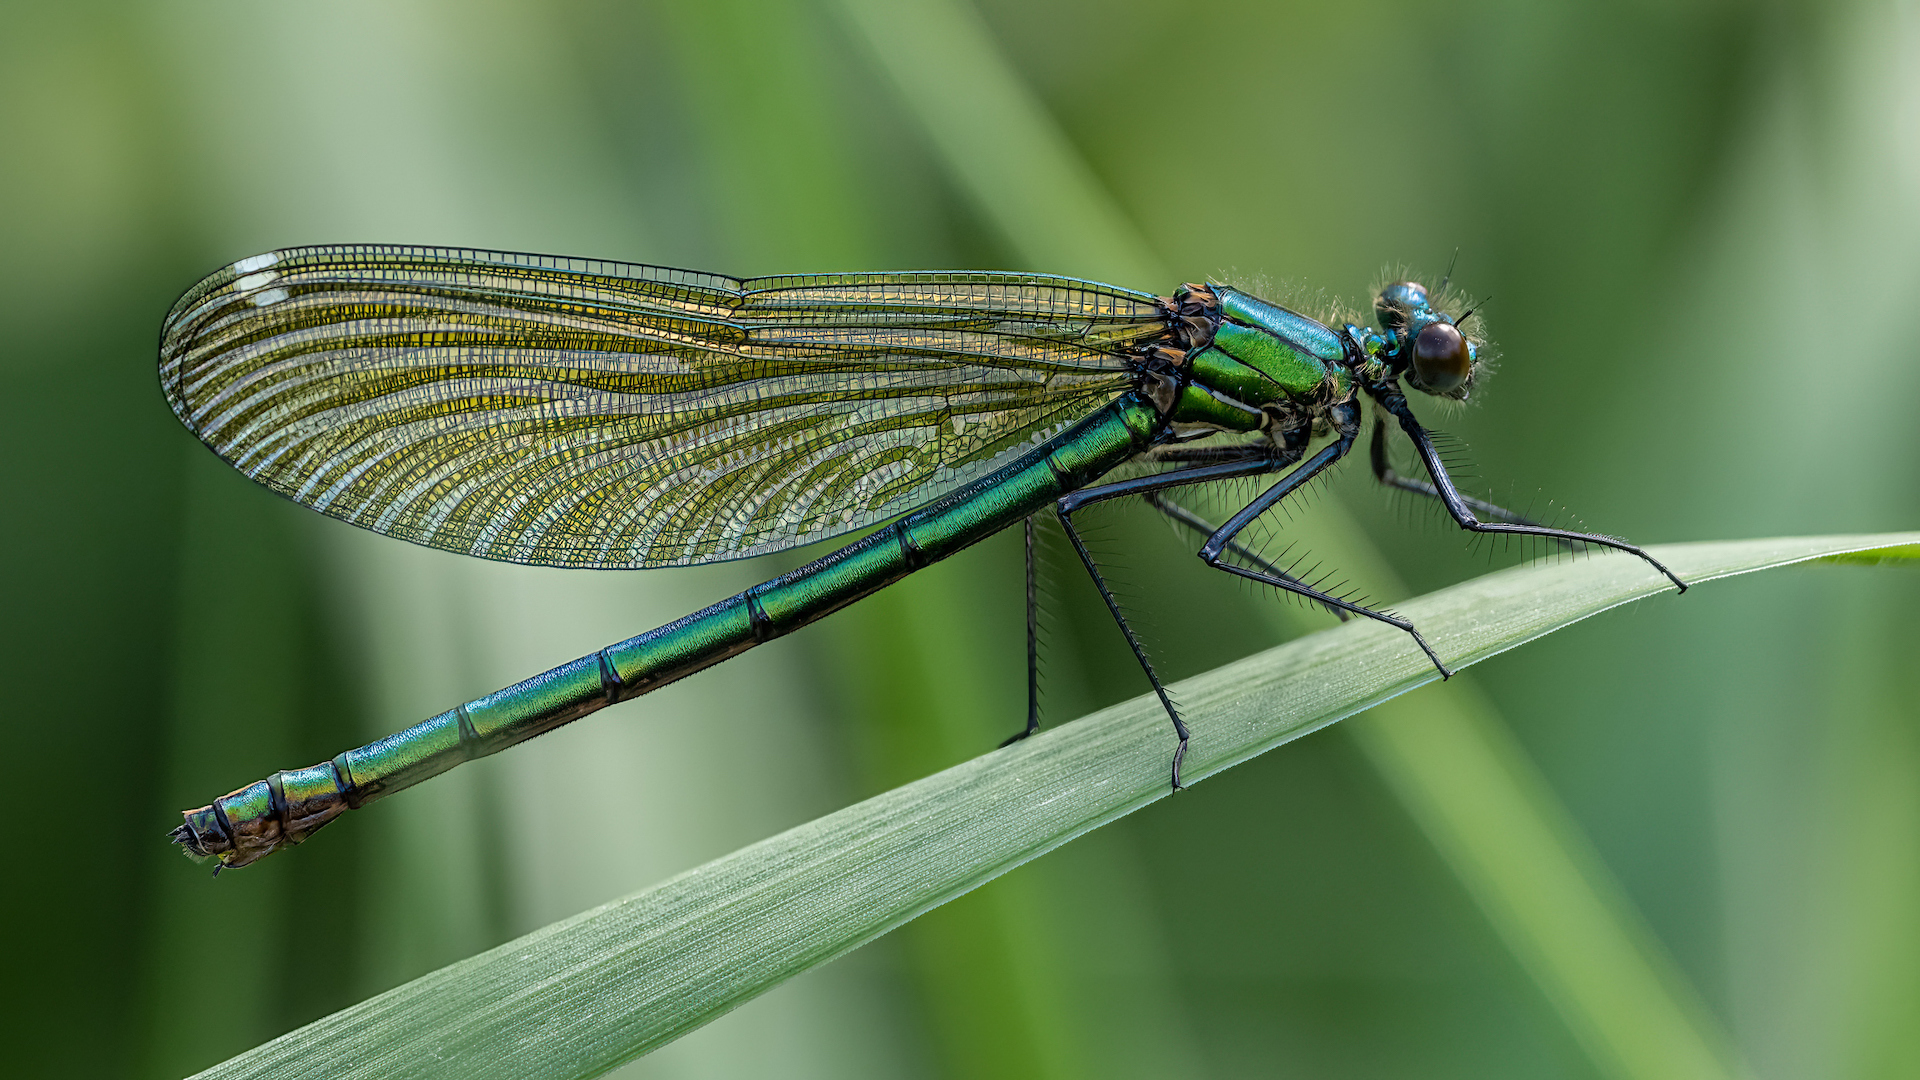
[(572, 412)]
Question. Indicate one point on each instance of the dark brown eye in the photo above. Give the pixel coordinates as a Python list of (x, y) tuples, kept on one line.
[(1440, 359)]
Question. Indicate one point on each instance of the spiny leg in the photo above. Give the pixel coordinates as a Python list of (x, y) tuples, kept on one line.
[(1383, 472), (1133, 642), (1209, 455), (1253, 461), (1205, 528), (1346, 420), (1033, 646), (1246, 463), (1392, 400), (1237, 458)]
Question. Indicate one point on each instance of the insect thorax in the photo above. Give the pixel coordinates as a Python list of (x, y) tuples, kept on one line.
[(1232, 362)]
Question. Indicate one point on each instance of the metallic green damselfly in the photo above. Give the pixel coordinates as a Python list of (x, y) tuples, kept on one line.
[(570, 412)]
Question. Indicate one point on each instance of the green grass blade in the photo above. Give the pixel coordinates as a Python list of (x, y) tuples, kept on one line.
[(1879, 556), (583, 995), (1614, 985)]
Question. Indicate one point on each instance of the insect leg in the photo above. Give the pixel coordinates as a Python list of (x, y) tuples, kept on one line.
[(1252, 461), (1267, 460), (1392, 400), (1383, 472), (1346, 422), (1201, 455), (1133, 642), (1033, 647), (1201, 525)]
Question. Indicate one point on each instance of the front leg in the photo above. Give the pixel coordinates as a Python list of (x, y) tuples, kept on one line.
[(1395, 402), (1383, 472)]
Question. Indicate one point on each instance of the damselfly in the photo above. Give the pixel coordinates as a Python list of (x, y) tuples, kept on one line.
[(569, 412)]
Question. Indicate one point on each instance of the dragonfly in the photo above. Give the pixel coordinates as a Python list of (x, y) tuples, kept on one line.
[(582, 413)]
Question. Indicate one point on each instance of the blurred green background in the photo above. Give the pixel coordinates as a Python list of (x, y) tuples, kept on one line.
[(1700, 226)]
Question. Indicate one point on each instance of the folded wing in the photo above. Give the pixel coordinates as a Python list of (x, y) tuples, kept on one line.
[(571, 412)]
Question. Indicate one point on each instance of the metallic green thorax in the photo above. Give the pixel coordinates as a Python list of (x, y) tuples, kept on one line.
[(288, 807), (1260, 355)]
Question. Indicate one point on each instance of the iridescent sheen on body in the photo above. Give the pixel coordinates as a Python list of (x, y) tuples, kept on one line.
[(581, 413), (284, 810)]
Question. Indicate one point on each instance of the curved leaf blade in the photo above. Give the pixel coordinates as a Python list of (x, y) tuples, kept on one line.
[(584, 995)]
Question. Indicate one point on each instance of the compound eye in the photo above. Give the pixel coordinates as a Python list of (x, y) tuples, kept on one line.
[(1440, 359)]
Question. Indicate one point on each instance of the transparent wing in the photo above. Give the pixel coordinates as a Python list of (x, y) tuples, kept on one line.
[(580, 413)]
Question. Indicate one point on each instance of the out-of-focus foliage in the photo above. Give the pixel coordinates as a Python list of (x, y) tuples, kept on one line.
[(1700, 225)]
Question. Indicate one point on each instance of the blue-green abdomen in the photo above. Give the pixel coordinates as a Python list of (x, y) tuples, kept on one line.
[(283, 810)]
